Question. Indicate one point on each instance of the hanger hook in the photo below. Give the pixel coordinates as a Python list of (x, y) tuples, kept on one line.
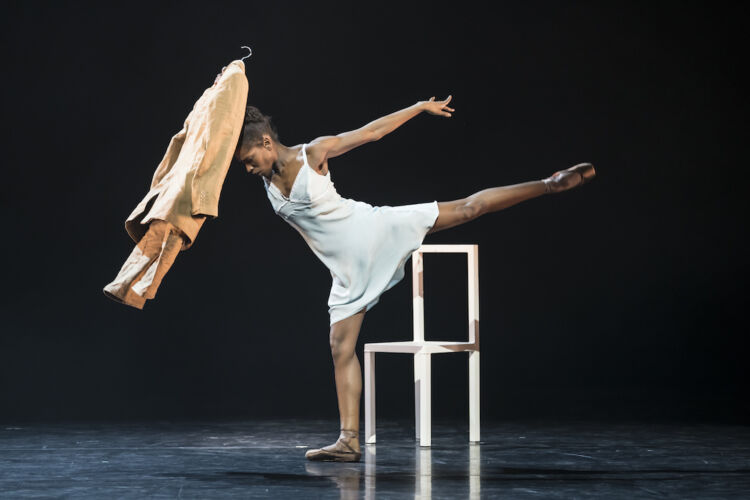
[(249, 50)]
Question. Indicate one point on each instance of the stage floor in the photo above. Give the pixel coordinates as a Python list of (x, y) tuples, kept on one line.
[(249, 459)]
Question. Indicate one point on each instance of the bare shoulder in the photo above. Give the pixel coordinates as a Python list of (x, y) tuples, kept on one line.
[(317, 150), (320, 145)]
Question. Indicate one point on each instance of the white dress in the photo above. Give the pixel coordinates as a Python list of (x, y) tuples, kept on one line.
[(365, 247)]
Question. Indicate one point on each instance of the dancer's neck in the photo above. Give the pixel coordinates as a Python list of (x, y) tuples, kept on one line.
[(285, 157)]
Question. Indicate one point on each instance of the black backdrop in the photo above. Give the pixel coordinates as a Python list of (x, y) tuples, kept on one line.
[(622, 299)]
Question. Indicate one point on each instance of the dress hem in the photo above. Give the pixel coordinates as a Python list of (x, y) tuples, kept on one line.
[(373, 302)]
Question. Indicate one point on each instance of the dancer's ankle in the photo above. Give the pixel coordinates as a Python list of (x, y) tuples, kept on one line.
[(350, 437)]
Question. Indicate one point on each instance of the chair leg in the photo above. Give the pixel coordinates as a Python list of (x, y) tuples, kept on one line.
[(369, 397), (417, 376), (474, 396), (425, 400)]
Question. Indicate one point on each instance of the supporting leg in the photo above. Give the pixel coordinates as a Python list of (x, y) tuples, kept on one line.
[(474, 396), (348, 377), (369, 397)]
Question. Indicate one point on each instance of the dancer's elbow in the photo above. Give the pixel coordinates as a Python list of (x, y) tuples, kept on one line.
[(375, 136)]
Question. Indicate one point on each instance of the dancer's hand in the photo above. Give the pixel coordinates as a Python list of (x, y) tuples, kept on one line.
[(438, 107)]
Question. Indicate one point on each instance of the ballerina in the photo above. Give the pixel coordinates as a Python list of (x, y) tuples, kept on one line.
[(365, 247)]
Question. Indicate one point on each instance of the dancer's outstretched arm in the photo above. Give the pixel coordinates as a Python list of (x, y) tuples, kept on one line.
[(334, 145)]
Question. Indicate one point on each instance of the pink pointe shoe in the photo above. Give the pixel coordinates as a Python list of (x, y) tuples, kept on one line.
[(569, 178), (345, 449)]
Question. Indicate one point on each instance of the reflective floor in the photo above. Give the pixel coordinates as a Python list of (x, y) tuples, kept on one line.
[(266, 459)]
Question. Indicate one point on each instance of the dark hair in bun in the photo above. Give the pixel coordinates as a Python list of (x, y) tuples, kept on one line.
[(254, 126)]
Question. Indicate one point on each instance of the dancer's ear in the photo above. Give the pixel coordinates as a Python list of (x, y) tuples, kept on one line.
[(267, 141)]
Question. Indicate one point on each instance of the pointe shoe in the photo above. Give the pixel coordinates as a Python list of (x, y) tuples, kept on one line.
[(340, 451), (561, 180)]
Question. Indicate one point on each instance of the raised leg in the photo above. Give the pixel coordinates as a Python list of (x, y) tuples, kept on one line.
[(457, 212)]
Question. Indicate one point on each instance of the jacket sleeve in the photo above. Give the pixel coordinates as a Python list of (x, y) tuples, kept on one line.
[(170, 156), (226, 112)]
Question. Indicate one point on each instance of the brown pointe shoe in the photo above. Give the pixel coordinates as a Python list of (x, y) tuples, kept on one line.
[(585, 172), (340, 451)]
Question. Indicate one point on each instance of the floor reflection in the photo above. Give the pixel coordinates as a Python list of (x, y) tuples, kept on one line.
[(413, 477), (265, 459), (346, 477)]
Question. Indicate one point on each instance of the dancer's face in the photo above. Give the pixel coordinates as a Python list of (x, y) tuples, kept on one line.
[(259, 158)]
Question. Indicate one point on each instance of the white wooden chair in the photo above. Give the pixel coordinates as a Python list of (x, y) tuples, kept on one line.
[(423, 350)]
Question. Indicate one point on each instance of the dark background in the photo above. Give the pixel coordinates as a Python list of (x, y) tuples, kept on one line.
[(624, 299)]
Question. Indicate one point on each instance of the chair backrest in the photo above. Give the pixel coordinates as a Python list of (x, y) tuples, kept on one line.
[(417, 263)]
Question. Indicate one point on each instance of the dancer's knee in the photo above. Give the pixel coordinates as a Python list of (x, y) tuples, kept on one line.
[(341, 345), (471, 208)]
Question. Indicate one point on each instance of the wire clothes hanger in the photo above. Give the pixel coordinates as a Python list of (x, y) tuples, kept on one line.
[(249, 53)]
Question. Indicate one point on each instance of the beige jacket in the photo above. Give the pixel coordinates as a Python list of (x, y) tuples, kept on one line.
[(187, 183)]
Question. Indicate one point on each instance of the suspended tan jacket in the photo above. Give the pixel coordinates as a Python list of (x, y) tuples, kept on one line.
[(187, 183)]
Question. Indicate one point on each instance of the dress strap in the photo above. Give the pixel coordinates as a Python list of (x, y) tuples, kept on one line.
[(304, 154)]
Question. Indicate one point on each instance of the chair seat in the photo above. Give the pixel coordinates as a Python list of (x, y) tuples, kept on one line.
[(424, 347)]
